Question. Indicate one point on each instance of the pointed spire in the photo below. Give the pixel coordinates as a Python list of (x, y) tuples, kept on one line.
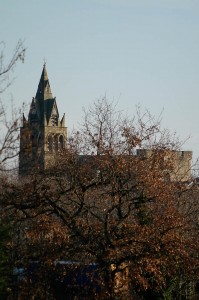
[(63, 121), (24, 121), (44, 90), (45, 72)]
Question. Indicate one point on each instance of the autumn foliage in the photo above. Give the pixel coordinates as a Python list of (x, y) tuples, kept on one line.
[(104, 203)]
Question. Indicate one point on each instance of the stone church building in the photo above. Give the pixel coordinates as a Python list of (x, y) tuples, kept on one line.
[(43, 133)]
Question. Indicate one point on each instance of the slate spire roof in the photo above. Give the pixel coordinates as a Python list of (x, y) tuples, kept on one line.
[(43, 104), (44, 90)]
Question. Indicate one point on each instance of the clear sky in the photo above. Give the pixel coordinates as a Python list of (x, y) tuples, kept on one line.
[(135, 51)]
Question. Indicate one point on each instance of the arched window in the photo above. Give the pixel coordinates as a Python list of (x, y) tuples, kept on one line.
[(50, 143), (61, 142), (56, 141)]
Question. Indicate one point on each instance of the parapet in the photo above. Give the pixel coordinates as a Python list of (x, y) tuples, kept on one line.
[(181, 162)]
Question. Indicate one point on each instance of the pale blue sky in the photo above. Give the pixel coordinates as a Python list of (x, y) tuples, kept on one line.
[(134, 51)]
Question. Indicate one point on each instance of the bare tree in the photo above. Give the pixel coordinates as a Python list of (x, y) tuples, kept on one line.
[(103, 204), (6, 68), (9, 148), (9, 145)]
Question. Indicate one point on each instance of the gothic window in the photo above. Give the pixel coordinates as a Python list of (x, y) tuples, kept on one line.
[(50, 143), (61, 142), (56, 142)]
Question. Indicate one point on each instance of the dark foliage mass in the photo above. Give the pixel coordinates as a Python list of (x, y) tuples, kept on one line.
[(104, 222)]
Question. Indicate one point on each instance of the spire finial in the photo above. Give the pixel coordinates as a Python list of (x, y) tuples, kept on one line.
[(44, 61)]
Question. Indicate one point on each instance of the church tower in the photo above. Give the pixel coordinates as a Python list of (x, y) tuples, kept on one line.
[(43, 134)]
